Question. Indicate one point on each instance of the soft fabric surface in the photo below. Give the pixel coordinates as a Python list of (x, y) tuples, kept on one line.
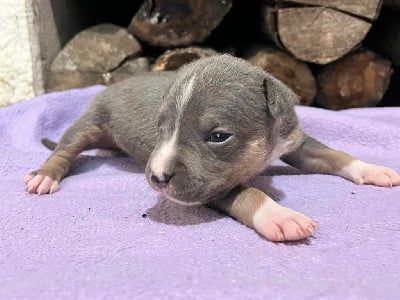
[(90, 240)]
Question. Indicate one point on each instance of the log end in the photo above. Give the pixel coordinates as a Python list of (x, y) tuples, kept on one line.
[(289, 70), (174, 59), (169, 23), (357, 80)]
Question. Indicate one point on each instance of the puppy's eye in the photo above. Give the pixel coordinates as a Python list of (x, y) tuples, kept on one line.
[(218, 137)]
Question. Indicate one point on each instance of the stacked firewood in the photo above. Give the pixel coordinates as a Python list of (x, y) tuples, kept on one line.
[(333, 53)]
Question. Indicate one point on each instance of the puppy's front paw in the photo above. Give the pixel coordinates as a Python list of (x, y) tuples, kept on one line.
[(40, 184), (363, 173), (278, 223)]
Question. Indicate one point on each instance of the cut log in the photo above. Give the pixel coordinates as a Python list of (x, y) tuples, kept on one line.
[(317, 34), (71, 79), (357, 80), (129, 68), (289, 70), (171, 23), (363, 8), (384, 36), (174, 59), (90, 56)]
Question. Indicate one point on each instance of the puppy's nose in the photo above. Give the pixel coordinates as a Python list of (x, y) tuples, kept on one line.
[(161, 181)]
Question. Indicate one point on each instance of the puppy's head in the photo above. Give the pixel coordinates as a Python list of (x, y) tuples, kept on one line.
[(217, 128)]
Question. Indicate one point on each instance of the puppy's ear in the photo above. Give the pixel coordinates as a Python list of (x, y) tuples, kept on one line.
[(280, 99)]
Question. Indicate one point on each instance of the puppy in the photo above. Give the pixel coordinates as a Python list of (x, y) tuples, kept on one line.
[(202, 132)]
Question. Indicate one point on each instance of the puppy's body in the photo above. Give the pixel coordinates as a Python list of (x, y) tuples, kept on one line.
[(202, 132), (126, 114)]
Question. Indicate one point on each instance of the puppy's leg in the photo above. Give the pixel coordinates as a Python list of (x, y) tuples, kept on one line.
[(76, 139), (255, 209), (314, 157)]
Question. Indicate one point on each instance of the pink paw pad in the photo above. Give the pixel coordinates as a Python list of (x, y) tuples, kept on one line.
[(40, 184)]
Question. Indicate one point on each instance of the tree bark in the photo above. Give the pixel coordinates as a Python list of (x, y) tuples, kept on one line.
[(289, 70), (319, 34), (170, 23), (356, 80)]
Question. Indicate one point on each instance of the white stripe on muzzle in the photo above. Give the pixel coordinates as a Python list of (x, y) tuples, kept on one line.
[(167, 151)]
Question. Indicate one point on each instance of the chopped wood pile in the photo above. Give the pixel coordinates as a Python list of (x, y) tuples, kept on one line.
[(335, 54)]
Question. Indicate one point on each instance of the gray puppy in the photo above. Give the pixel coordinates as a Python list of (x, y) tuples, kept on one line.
[(202, 132)]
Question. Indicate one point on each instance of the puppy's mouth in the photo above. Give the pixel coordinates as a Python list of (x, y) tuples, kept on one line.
[(212, 197), (184, 203)]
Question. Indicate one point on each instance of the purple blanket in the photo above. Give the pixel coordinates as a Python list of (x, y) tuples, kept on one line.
[(107, 235)]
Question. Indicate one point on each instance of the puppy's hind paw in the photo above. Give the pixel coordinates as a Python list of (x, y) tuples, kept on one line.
[(40, 184), (363, 173)]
